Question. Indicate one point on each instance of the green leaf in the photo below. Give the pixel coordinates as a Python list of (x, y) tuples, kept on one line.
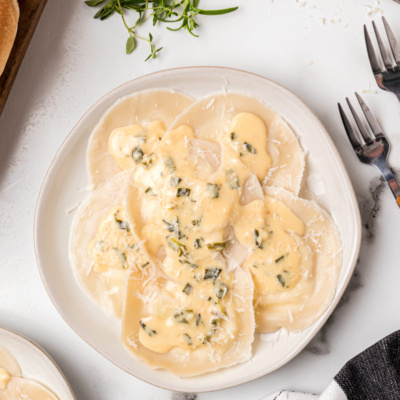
[(217, 12), (105, 12), (94, 3), (130, 44)]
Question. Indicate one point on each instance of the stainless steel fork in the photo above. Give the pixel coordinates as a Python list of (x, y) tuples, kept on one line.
[(370, 145), (387, 77)]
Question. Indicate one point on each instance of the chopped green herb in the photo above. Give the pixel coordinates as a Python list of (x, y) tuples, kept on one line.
[(188, 289), (170, 227), (257, 238), (174, 244), (121, 256), (233, 136), (212, 273), (175, 181), (197, 243), (183, 317), (213, 190), (281, 280), (169, 163), (284, 278), (137, 154), (182, 192), (148, 161), (148, 190), (198, 319), (220, 289), (218, 246), (280, 258), (247, 148), (196, 222), (121, 223), (187, 339), (145, 264), (232, 179), (183, 261), (213, 330), (149, 331)]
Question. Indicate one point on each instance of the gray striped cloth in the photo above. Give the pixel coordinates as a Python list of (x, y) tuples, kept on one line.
[(372, 375)]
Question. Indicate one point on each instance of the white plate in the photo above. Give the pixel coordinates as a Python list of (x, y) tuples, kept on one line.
[(36, 364), (62, 190)]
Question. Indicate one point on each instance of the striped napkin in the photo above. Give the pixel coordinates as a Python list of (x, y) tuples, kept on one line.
[(372, 375)]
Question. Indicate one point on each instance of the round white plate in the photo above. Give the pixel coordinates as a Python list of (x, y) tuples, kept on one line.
[(64, 188), (36, 364)]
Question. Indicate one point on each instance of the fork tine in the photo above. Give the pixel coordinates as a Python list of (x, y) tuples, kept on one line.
[(384, 54), (376, 69), (393, 42), (373, 123), (349, 130), (361, 128)]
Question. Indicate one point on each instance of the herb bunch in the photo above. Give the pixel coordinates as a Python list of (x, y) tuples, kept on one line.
[(181, 12)]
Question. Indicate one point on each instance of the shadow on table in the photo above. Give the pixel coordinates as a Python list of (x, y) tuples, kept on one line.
[(39, 64)]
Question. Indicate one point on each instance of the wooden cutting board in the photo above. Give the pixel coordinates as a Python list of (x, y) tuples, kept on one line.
[(30, 11)]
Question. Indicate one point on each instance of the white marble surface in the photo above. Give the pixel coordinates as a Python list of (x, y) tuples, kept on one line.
[(73, 60)]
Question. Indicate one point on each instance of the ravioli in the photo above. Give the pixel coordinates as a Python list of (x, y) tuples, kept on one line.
[(301, 271), (137, 116), (9, 363), (214, 118), (22, 388), (102, 247), (190, 330), (15, 387), (202, 240)]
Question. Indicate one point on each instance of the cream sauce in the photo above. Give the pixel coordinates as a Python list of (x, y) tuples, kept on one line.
[(187, 329), (272, 233), (191, 192), (189, 316), (129, 145), (187, 196), (114, 245)]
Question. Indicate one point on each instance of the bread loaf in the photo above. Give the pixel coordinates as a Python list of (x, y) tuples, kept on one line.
[(9, 15)]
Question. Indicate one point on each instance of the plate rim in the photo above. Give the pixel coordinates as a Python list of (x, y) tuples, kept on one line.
[(350, 189), (30, 343)]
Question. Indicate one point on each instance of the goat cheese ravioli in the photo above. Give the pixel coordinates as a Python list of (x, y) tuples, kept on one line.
[(102, 247), (293, 250), (264, 143), (309, 258), (190, 329), (130, 128), (195, 236), (183, 196), (13, 386)]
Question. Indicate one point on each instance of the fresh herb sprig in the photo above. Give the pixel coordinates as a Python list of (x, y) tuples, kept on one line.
[(181, 12)]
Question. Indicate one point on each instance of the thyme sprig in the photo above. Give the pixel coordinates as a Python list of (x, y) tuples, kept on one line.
[(182, 12)]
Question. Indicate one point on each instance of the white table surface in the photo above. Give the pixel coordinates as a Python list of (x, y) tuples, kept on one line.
[(73, 60)]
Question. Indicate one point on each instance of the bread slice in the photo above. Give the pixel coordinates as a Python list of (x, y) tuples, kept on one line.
[(9, 16)]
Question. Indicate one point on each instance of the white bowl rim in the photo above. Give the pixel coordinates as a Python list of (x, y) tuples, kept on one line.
[(338, 294)]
